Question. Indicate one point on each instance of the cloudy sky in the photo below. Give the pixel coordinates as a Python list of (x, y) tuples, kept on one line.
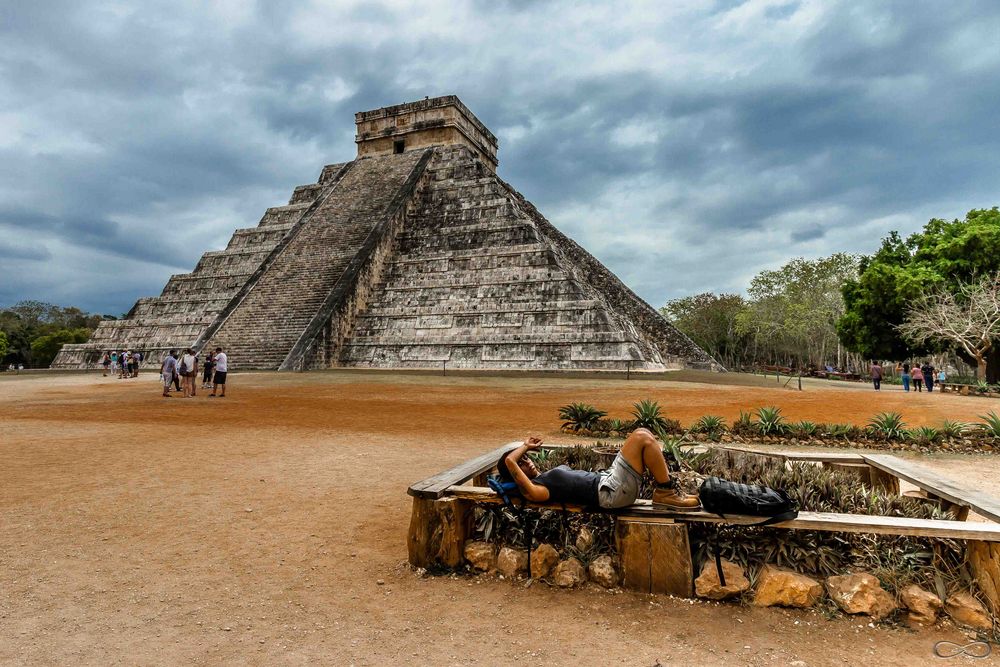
[(687, 144)]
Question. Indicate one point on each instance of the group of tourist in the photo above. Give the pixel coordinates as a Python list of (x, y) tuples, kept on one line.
[(181, 371), (918, 376), (123, 363)]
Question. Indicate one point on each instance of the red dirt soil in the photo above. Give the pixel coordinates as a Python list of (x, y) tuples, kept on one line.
[(269, 527)]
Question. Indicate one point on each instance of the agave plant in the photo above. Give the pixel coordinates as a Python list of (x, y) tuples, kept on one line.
[(770, 421), (925, 435), (888, 426), (621, 427), (647, 415), (743, 425), (954, 429), (839, 430), (711, 425), (579, 416), (990, 424), (805, 429), (982, 387)]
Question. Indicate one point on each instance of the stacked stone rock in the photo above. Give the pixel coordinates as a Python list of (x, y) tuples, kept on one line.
[(191, 302), (409, 258)]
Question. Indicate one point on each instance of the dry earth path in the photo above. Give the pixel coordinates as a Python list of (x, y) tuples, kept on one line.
[(269, 527)]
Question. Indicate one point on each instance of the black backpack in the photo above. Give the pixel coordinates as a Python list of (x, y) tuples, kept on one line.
[(722, 497)]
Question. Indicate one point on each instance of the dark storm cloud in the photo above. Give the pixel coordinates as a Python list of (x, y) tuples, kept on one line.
[(687, 145)]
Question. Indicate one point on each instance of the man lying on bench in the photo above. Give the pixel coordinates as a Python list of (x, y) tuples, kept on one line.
[(618, 486)]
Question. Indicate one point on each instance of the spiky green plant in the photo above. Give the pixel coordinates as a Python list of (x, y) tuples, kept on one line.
[(580, 416), (743, 425), (990, 424), (982, 387), (770, 421), (805, 429), (839, 430), (954, 429), (647, 414), (711, 425), (888, 426), (925, 435), (621, 427)]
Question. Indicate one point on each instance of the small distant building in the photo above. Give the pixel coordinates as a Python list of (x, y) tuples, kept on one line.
[(414, 254)]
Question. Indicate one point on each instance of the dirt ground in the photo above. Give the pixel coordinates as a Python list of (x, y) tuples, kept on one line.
[(269, 527)]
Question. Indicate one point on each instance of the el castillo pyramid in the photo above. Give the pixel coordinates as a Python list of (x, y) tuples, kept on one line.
[(414, 254)]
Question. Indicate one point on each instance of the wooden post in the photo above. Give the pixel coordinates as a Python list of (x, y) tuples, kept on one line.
[(984, 561), (883, 480), (438, 529), (655, 557)]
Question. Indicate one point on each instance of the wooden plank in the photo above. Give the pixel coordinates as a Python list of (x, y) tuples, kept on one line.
[(984, 561), (935, 484), (813, 457), (828, 521), (435, 486)]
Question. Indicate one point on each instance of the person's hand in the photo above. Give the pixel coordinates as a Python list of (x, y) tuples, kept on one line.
[(533, 443)]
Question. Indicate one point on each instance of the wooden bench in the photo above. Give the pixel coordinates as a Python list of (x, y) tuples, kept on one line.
[(653, 544)]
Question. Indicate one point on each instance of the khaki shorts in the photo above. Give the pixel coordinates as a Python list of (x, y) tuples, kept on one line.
[(619, 485)]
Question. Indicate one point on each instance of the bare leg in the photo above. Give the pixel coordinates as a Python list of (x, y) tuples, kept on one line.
[(641, 450)]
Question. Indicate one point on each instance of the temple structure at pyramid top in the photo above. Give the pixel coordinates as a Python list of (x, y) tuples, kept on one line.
[(414, 254)]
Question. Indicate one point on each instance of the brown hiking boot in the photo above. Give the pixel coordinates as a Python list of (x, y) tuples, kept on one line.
[(673, 498)]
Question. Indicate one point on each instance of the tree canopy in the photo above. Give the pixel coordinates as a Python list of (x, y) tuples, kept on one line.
[(25, 324), (944, 255), (788, 317)]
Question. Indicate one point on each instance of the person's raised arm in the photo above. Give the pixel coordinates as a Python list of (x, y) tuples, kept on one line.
[(536, 493)]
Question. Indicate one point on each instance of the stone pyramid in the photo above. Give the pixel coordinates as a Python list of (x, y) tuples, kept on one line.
[(415, 254)]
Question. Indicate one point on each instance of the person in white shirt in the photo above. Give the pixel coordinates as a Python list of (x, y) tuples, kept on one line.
[(221, 368), (189, 371)]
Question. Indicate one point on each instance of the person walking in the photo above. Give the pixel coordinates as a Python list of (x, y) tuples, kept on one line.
[(106, 363), (168, 369), (876, 371), (114, 361), (905, 375), (928, 372), (918, 379), (941, 377), (136, 360), (221, 369), (206, 380)]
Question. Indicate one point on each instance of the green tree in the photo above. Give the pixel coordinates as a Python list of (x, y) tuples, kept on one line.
[(943, 255), (44, 348), (710, 321), (793, 311), (4, 345)]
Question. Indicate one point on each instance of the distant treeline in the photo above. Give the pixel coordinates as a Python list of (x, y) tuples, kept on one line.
[(32, 332), (936, 292)]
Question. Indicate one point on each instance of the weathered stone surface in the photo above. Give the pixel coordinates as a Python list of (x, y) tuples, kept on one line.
[(543, 559), (860, 593), (394, 261), (569, 573), (480, 555), (964, 609), (512, 562), (584, 540), (923, 605), (786, 589), (707, 584), (603, 572)]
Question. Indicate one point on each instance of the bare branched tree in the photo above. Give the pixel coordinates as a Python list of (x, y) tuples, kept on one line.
[(969, 319)]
